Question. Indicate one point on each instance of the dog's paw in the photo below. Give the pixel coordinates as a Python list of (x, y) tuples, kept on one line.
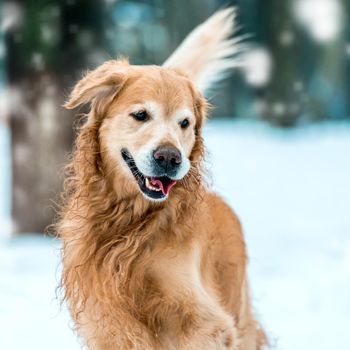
[(224, 336), (214, 335)]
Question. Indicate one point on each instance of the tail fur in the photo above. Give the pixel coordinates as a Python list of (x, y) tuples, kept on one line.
[(209, 52)]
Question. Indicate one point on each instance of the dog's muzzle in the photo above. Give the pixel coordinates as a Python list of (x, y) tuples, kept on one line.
[(167, 161), (157, 186)]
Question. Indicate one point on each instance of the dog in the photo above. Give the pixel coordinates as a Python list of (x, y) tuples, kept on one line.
[(152, 259)]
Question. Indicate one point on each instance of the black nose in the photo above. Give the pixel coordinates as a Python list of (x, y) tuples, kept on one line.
[(168, 158)]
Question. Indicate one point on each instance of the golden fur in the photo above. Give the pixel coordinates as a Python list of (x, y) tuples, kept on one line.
[(139, 274)]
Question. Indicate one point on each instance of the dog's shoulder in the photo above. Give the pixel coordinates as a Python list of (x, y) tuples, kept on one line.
[(219, 208)]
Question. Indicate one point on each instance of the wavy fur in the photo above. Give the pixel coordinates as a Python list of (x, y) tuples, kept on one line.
[(106, 237), (139, 274)]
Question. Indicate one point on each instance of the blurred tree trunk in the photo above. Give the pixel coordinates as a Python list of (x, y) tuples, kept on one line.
[(282, 95), (328, 84), (45, 54), (41, 137)]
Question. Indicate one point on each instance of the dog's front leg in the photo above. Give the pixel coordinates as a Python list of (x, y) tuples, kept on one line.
[(205, 326), (193, 320), (191, 316)]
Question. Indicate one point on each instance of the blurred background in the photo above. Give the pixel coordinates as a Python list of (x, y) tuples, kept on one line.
[(278, 147)]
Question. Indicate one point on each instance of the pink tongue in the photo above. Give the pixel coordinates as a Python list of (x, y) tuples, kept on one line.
[(165, 187)]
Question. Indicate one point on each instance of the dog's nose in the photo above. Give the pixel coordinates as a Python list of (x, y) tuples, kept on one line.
[(167, 157)]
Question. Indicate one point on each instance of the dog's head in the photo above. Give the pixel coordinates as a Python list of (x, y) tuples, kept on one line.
[(150, 117), (150, 124)]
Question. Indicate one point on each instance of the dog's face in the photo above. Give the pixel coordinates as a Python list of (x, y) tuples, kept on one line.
[(150, 128)]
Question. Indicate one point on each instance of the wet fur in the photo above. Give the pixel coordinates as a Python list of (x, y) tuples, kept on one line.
[(139, 274)]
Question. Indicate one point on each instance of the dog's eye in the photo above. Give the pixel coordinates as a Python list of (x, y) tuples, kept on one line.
[(185, 123), (140, 116)]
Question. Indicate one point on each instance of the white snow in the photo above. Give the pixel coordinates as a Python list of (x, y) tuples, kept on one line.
[(257, 67), (38, 61), (11, 16), (323, 19), (291, 190), (287, 38), (30, 315)]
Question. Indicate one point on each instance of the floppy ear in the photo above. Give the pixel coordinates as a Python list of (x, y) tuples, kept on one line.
[(201, 107), (100, 86)]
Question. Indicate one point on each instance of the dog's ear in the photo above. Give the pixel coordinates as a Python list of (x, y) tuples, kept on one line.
[(100, 86), (201, 107), (209, 52)]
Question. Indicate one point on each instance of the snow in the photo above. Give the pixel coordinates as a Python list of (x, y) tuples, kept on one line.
[(30, 316), (257, 66), (11, 16), (38, 61), (323, 19), (287, 38), (291, 190)]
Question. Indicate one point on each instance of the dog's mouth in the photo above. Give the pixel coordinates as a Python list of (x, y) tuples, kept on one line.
[(151, 186)]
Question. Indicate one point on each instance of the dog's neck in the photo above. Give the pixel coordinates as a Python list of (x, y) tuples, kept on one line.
[(134, 213)]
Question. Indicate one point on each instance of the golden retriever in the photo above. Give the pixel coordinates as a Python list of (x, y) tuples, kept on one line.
[(151, 258)]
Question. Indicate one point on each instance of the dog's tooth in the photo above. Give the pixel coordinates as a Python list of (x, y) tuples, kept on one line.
[(150, 187)]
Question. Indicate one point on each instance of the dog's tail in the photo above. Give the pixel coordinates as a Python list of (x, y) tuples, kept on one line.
[(209, 51)]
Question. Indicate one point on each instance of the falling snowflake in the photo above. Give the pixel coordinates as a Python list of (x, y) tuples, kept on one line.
[(287, 38), (298, 86), (278, 108), (11, 16), (323, 19), (48, 33), (38, 61), (257, 66)]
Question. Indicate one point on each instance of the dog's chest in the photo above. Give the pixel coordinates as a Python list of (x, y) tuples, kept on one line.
[(176, 270)]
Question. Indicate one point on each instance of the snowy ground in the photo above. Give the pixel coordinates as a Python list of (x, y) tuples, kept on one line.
[(292, 192)]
